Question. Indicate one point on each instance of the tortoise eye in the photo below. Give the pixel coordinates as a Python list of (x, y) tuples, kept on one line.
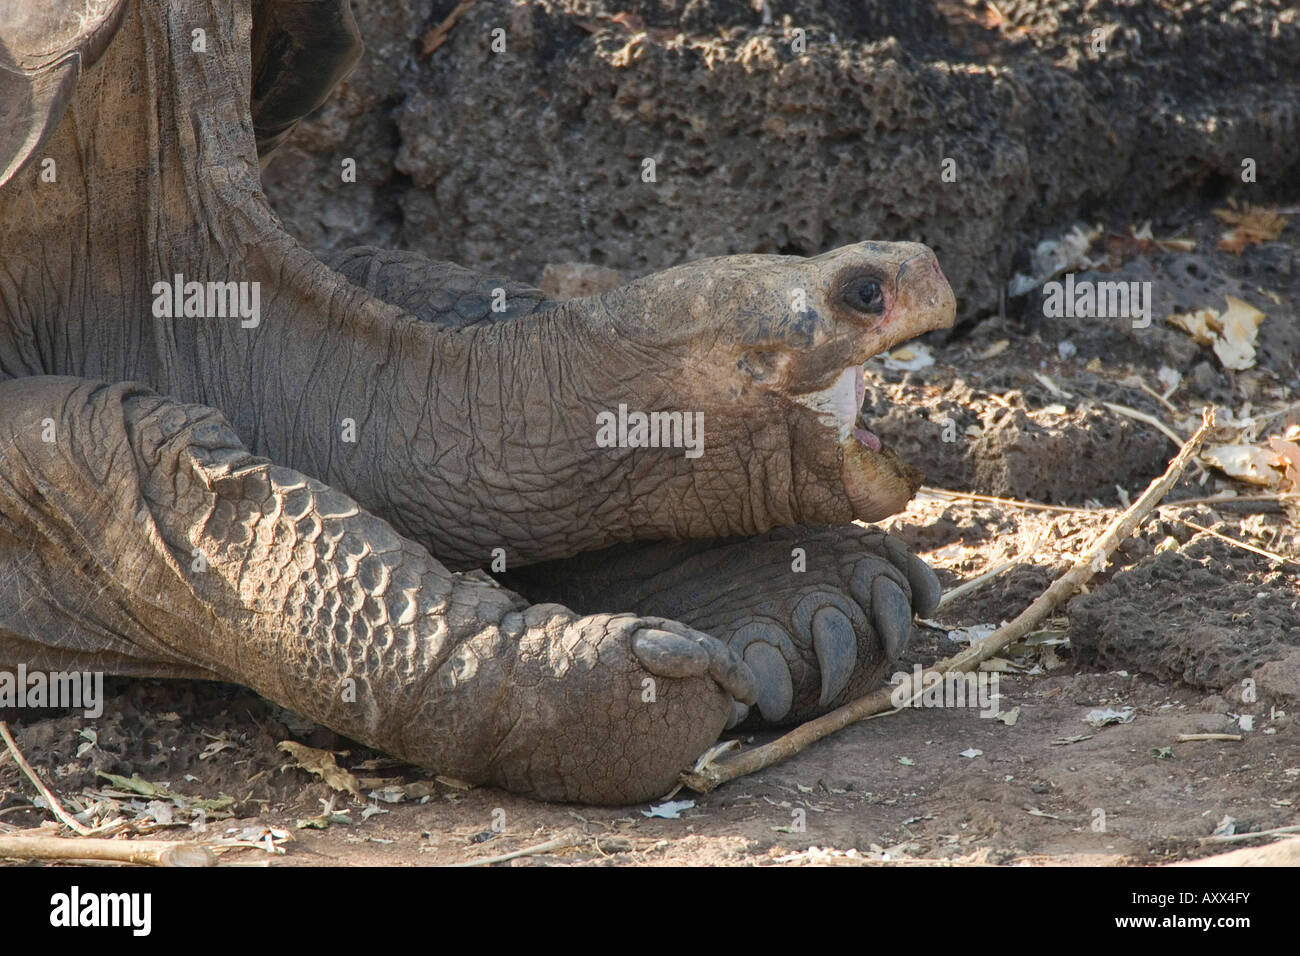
[(864, 295)]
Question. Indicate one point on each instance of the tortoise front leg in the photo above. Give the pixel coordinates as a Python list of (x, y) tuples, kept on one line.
[(139, 536), (819, 613)]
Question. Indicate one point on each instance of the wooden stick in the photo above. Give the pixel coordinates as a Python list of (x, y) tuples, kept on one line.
[(1278, 497), (1239, 837), (1193, 738), (1162, 399), (967, 586), (1013, 502), (1272, 555), (45, 846), (1146, 419), (879, 702), (558, 843), (50, 798)]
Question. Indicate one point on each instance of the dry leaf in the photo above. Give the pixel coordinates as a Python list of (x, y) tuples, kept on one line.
[(1289, 453), (1140, 240), (136, 784), (1250, 225), (454, 783), (1236, 345), (1199, 325), (1072, 739), (1052, 257), (323, 765), (1109, 715), (1249, 463), (1230, 333), (669, 809), (324, 821), (997, 348), (377, 783)]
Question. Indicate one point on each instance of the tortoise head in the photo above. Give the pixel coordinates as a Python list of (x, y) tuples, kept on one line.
[(766, 352)]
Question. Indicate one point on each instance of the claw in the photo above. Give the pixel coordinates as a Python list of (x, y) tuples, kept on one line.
[(775, 689), (926, 589), (670, 655), (837, 650), (726, 667), (864, 573), (804, 612), (764, 632), (892, 612), (739, 712)]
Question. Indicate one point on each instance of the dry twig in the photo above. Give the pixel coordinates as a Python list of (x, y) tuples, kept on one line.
[(1093, 559), (1162, 399), (45, 846), (1272, 555), (50, 798), (1011, 502), (967, 586), (1277, 497), (1146, 419), (1239, 837), (558, 843)]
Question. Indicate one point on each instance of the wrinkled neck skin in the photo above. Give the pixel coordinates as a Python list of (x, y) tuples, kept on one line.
[(470, 440)]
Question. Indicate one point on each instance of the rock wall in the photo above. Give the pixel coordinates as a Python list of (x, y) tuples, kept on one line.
[(511, 160)]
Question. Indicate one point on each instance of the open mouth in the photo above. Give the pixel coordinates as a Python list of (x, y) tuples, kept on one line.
[(860, 430), (878, 483), (840, 408)]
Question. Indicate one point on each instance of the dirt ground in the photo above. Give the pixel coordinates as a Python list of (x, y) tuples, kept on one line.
[(1196, 635)]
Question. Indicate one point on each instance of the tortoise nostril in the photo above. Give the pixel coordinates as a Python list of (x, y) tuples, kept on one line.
[(864, 295)]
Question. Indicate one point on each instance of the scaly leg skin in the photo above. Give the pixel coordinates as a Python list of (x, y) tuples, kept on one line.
[(138, 534), (818, 613)]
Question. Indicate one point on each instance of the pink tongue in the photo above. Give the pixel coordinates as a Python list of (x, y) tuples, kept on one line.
[(868, 439), (862, 435)]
